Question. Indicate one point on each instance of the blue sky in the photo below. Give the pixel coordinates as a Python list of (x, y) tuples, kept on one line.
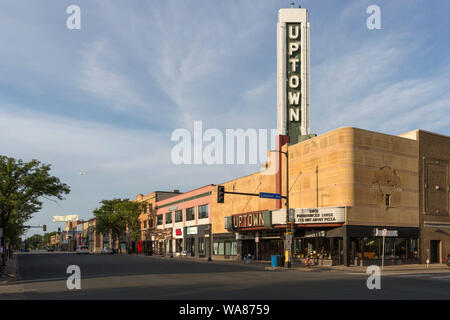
[(105, 99)]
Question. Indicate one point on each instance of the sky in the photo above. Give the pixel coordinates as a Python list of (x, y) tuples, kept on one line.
[(106, 98)]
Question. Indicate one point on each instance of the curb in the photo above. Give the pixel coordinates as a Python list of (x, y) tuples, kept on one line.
[(12, 271)]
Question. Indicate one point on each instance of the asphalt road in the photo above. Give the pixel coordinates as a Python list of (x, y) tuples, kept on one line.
[(43, 276)]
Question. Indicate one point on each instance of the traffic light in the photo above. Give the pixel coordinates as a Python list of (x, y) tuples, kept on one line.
[(59, 230), (220, 194), (44, 228)]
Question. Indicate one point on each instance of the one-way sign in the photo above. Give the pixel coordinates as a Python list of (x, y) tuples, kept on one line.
[(267, 195)]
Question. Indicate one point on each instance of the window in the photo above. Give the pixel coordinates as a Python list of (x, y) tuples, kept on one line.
[(388, 200), (145, 209), (221, 248), (169, 217), (201, 245), (203, 211), (160, 220), (233, 248), (178, 216), (145, 224), (190, 214), (150, 207), (150, 223)]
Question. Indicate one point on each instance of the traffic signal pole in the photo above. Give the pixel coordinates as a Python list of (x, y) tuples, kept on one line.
[(289, 231)]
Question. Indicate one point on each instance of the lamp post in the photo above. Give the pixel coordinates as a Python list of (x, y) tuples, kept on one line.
[(286, 153)]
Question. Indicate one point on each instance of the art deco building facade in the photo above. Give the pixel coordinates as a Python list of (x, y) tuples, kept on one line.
[(346, 187)]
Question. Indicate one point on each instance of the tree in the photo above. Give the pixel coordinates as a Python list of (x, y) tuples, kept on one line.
[(47, 238), (22, 186), (117, 216)]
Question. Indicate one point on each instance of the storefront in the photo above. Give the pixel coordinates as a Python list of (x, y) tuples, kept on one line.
[(357, 245), (178, 241), (162, 241), (197, 241), (253, 234)]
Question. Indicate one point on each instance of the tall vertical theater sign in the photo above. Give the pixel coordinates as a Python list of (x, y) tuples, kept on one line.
[(293, 76)]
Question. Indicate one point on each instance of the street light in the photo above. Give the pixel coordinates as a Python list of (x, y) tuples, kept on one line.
[(286, 153)]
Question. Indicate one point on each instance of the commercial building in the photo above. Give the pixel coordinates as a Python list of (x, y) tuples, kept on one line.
[(148, 216), (183, 224)]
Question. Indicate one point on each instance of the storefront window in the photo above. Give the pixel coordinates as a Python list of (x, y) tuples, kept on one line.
[(159, 220), (169, 217), (394, 248), (201, 245), (179, 245), (178, 216), (215, 248), (221, 248), (203, 211), (228, 248), (190, 214), (233, 248)]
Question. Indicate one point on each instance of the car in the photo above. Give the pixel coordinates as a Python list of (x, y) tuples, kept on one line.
[(82, 250), (106, 250), (448, 260), (50, 249)]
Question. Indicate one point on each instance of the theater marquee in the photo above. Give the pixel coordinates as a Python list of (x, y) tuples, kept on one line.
[(293, 102), (257, 219), (320, 215)]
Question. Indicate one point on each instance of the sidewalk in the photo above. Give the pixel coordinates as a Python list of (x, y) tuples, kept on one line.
[(9, 289), (10, 273), (409, 268)]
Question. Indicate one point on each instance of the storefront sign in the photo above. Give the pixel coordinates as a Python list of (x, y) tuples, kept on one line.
[(388, 233), (178, 232), (252, 219), (314, 234), (173, 208), (320, 215), (192, 230), (293, 70), (244, 236)]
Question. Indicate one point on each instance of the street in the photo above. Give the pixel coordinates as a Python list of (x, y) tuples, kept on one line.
[(43, 276)]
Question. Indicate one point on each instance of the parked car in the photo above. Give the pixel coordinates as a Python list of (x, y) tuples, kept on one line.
[(50, 249), (82, 249), (448, 260), (107, 251)]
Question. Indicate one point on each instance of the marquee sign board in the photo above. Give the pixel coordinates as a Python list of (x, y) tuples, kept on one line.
[(324, 215), (293, 102), (68, 218), (252, 220)]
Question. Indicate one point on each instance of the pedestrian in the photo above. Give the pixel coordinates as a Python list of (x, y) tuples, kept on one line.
[(308, 262)]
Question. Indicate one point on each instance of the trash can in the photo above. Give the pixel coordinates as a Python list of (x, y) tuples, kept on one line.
[(275, 260)]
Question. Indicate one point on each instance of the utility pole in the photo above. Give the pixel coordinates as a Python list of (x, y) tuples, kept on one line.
[(288, 233)]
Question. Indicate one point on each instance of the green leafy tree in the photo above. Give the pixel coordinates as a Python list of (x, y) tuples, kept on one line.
[(22, 187), (34, 242), (116, 217), (47, 238)]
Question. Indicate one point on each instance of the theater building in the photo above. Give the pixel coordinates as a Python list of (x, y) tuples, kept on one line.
[(346, 187), (434, 199), (350, 190)]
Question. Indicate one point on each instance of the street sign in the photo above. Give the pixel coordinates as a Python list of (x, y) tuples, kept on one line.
[(267, 195)]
